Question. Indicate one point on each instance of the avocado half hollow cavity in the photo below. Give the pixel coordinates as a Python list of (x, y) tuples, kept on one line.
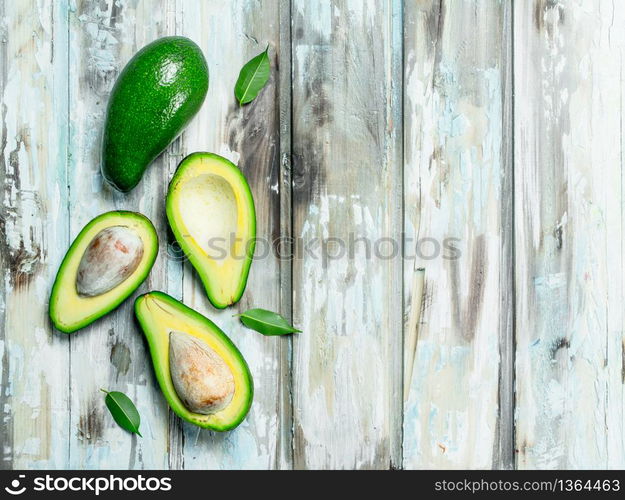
[(107, 261), (210, 209), (202, 374)]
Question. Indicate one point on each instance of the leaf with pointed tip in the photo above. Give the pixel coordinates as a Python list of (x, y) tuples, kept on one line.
[(267, 322), (123, 410), (252, 78)]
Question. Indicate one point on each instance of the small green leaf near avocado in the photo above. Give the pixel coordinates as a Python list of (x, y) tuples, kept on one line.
[(202, 374), (267, 322), (107, 261), (123, 411), (154, 98), (252, 78)]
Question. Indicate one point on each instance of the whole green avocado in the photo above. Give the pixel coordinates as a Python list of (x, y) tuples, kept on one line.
[(154, 98)]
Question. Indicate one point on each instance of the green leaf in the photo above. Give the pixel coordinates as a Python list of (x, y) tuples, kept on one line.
[(252, 78), (266, 322), (123, 411)]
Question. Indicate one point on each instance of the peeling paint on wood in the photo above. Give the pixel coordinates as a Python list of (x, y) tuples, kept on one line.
[(103, 37), (454, 176), (347, 373), (403, 120), (569, 233), (34, 360), (249, 136)]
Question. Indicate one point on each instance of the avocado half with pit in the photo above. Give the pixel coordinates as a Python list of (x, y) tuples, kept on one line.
[(210, 209), (107, 261), (202, 374)]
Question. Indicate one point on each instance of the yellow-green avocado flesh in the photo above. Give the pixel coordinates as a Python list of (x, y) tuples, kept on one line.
[(211, 212), (159, 315), (69, 311)]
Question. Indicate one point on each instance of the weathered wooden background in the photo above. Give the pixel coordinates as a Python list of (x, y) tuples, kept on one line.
[(493, 125)]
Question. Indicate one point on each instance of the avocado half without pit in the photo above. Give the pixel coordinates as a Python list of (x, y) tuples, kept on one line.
[(202, 374), (107, 261), (211, 213)]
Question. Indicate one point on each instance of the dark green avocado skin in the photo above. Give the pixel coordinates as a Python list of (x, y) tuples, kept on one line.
[(156, 95)]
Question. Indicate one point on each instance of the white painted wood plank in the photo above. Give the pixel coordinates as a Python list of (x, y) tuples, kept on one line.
[(111, 353), (230, 33), (455, 174), (34, 412), (347, 182), (569, 234)]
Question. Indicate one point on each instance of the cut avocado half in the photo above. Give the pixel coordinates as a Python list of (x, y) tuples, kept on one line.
[(107, 261), (211, 213), (202, 374)]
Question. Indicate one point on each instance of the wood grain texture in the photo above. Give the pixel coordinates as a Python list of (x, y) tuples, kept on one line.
[(112, 353), (33, 159), (381, 117), (285, 452), (231, 33), (347, 185), (455, 171), (40, 211), (569, 234)]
